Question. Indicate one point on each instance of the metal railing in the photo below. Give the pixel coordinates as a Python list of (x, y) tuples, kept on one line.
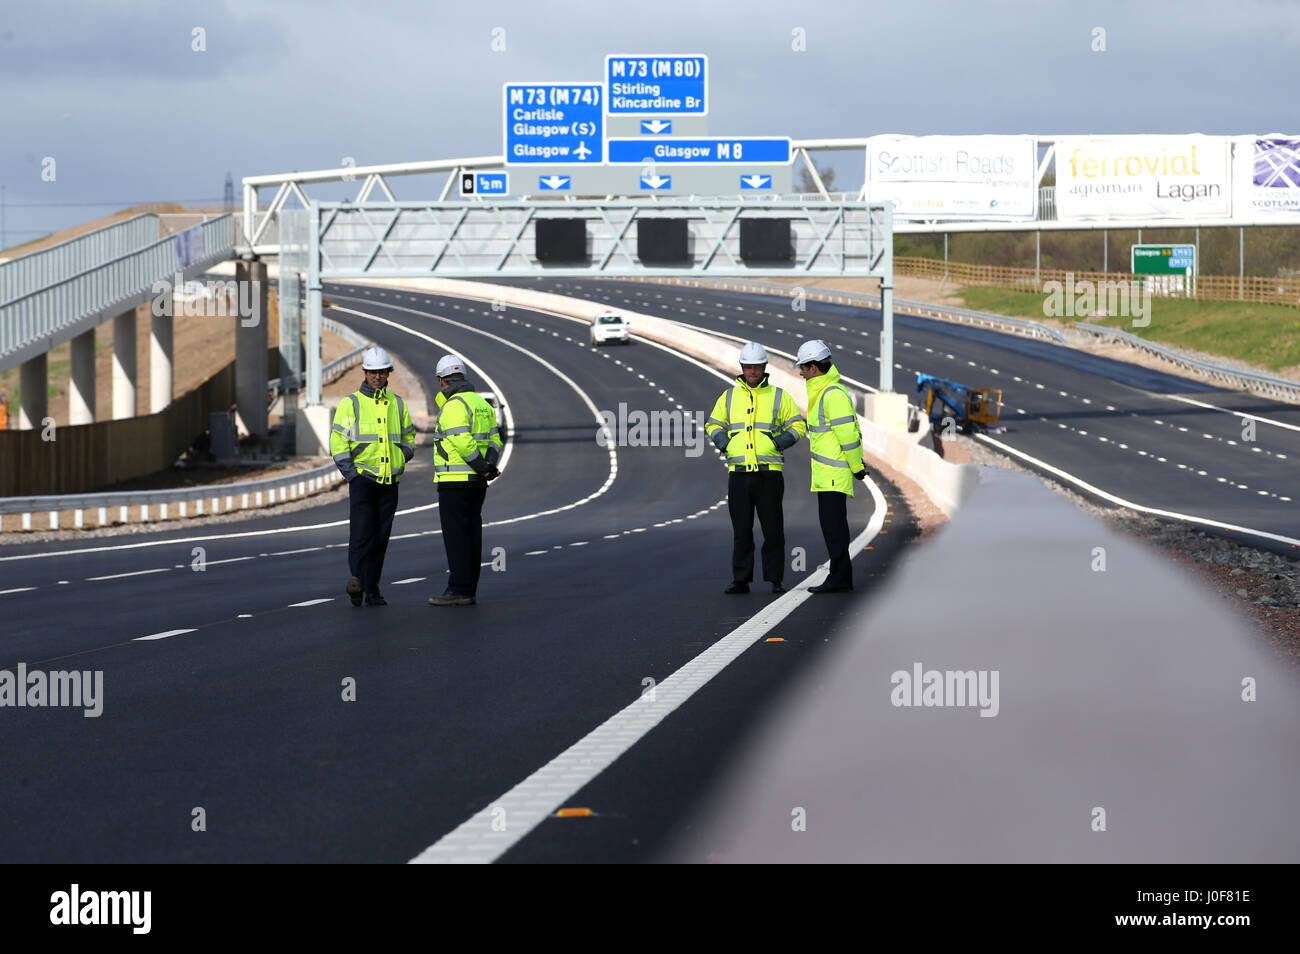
[(221, 497), (35, 270), (1021, 326), (44, 311), (1245, 380)]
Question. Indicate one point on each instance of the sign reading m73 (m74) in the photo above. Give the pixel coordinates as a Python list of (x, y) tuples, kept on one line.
[(554, 124)]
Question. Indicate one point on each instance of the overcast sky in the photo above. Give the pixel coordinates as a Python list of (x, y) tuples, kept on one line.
[(129, 111)]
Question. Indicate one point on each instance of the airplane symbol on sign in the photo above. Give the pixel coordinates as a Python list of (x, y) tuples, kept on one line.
[(582, 150)]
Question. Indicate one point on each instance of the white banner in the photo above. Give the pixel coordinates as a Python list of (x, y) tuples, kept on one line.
[(954, 177), (1266, 176), (1173, 177)]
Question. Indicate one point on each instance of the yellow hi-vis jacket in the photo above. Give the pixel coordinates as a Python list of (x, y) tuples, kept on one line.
[(465, 439), (755, 425), (834, 438), (372, 435)]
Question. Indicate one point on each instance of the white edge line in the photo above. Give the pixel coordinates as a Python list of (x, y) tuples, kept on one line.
[(1204, 521), (542, 793)]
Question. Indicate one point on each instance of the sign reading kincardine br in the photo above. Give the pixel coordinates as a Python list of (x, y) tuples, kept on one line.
[(1172, 177)]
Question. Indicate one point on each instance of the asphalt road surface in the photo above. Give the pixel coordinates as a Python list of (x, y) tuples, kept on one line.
[(227, 652)]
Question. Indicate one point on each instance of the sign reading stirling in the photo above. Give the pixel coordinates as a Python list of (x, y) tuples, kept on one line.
[(657, 84)]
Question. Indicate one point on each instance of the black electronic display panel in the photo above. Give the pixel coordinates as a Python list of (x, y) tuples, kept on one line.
[(562, 240), (765, 240), (663, 241)]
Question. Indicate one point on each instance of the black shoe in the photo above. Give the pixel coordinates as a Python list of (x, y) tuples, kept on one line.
[(374, 599), (829, 589), (777, 587), (354, 590), (737, 588), (451, 599)]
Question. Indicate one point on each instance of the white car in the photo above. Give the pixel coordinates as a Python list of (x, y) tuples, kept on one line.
[(610, 326)]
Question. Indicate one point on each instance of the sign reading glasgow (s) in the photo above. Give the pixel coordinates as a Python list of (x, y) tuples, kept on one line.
[(641, 84), (554, 124)]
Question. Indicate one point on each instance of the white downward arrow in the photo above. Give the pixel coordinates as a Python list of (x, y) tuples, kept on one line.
[(656, 182), (554, 182), (754, 181), (656, 126)]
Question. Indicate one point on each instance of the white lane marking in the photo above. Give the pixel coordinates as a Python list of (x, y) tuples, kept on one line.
[(328, 599), (20, 589), (538, 796), (118, 576), (230, 560), (244, 616), (536, 552), (1205, 521), (170, 632), (586, 399), (1224, 410), (410, 579), (291, 552)]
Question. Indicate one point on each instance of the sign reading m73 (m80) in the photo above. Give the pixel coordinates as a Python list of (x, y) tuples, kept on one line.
[(659, 84), (772, 150), (554, 124)]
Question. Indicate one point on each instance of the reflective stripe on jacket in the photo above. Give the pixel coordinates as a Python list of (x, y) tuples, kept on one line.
[(372, 435), (834, 438), (466, 442), (753, 419)]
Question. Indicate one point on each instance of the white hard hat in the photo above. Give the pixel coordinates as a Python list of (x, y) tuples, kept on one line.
[(376, 359), (449, 365), (753, 353), (812, 351)]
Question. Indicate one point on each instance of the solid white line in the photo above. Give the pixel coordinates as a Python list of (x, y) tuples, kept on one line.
[(21, 589), (1224, 410), (170, 632), (537, 797), (328, 599), (118, 576), (1204, 521)]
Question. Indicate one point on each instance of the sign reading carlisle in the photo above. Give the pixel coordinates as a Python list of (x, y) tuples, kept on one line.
[(1174, 177)]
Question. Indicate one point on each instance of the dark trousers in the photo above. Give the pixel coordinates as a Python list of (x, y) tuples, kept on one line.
[(371, 509), (833, 513), (460, 508), (748, 491)]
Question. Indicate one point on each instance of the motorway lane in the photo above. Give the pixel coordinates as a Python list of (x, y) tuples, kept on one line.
[(244, 717), (1134, 432)]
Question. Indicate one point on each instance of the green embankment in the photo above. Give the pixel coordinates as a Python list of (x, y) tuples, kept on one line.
[(1267, 336)]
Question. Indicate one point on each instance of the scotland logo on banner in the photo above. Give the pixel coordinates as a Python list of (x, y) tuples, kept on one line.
[(1267, 176)]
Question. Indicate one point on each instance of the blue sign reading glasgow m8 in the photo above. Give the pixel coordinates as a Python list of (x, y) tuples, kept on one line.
[(753, 150), (658, 84), (555, 124)]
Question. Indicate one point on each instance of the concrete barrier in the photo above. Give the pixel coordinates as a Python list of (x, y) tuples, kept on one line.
[(946, 484)]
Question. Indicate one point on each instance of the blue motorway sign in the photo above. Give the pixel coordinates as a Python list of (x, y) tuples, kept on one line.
[(554, 124), (554, 183), (755, 181), (656, 182), (485, 183), (764, 151), (657, 84)]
